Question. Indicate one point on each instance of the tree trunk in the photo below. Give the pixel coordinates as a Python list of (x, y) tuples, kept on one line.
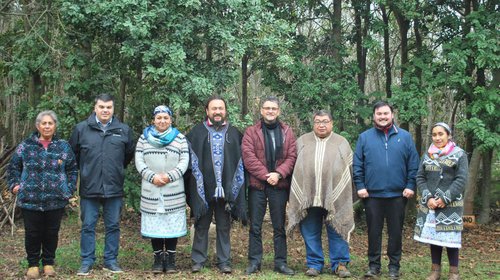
[(387, 54), (244, 85), (123, 91), (484, 215), (467, 88), (337, 31), (361, 13), (471, 188)]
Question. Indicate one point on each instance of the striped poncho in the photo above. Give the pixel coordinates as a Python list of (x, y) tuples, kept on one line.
[(323, 178)]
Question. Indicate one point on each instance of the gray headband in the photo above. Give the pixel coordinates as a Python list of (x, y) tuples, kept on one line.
[(443, 125)]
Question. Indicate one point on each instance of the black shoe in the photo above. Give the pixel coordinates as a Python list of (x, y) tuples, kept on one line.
[(158, 262), (284, 269), (372, 273), (253, 268), (226, 269), (197, 267), (169, 263), (393, 274)]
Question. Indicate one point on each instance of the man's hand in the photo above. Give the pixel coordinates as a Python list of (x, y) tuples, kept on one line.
[(16, 188), (408, 193), (273, 178), (363, 193)]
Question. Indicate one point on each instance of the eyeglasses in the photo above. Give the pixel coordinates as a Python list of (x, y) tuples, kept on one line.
[(318, 123), (271, 108)]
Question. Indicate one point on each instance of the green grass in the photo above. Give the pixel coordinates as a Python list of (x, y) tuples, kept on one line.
[(479, 256)]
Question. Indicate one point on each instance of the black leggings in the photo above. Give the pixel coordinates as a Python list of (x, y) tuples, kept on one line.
[(436, 252), (161, 244)]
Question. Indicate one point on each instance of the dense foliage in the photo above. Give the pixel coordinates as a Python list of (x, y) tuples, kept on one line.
[(435, 60)]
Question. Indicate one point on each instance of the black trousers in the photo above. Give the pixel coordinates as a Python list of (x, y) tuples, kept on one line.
[(164, 244), (199, 251), (257, 204), (392, 210), (41, 233)]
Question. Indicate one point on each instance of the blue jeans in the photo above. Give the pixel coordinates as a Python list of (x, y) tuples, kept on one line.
[(311, 227), (111, 209)]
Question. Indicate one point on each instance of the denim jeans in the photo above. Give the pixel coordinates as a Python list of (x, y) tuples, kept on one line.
[(257, 203), (41, 233), (311, 227), (89, 216)]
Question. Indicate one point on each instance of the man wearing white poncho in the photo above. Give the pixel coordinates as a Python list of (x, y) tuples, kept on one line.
[(321, 191)]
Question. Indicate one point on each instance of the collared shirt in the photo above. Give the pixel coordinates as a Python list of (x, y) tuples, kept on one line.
[(101, 125)]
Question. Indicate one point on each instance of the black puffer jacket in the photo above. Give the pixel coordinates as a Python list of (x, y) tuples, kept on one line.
[(102, 156)]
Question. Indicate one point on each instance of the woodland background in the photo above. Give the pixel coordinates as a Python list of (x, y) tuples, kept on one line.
[(435, 60)]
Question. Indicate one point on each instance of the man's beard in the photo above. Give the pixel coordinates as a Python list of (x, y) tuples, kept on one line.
[(217, 123)]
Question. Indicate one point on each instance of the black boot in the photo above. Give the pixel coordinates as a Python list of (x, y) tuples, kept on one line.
[(158, 262), (169, 263)]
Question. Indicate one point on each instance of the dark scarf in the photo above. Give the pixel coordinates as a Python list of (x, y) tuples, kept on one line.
[(274, 151), (384, 129)]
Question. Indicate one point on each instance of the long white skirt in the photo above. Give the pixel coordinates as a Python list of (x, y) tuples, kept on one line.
[(164, 225)]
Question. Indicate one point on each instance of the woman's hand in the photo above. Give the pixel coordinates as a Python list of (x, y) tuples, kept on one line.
[(161, 179), (432, 203), (16, 188), (440, 203)]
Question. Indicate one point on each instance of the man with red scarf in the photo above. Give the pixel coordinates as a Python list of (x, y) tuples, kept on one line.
[(385, 165)]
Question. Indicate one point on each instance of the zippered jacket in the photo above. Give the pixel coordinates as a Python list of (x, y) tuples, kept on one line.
[(47, 177), (254, 156), (383, 164), (102, 156)]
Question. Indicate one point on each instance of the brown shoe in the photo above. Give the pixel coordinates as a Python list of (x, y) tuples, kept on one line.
[(33, 273), (342, 271), (313, 272), (453, 273), (435, 272), (48, 270)]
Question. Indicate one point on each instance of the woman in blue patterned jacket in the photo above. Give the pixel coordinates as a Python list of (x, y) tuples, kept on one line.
[(42, 173)]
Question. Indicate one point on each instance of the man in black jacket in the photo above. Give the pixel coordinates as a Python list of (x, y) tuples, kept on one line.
[(103, 147)]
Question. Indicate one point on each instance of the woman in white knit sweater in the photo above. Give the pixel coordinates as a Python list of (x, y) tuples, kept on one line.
[(162, 157)]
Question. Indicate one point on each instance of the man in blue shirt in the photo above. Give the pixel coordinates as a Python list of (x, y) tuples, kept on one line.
[(384, 168)]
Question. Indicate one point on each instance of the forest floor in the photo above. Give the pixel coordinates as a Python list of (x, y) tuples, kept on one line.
[(479, 258)]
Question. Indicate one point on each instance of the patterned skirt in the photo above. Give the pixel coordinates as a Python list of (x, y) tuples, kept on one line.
[(429, 235), (171, 224)]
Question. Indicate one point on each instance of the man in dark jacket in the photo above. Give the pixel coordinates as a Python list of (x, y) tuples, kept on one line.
[(385, 165), (103, 147), (269, 154), (215, 183)]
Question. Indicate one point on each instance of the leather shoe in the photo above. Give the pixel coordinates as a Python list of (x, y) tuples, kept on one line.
[(313, 272), (284, 269), (253, 268), (197, 267), (372, 273), (226, 269), (393, 274)]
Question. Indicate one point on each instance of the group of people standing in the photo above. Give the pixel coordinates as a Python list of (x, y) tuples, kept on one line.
[(211, 168)]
